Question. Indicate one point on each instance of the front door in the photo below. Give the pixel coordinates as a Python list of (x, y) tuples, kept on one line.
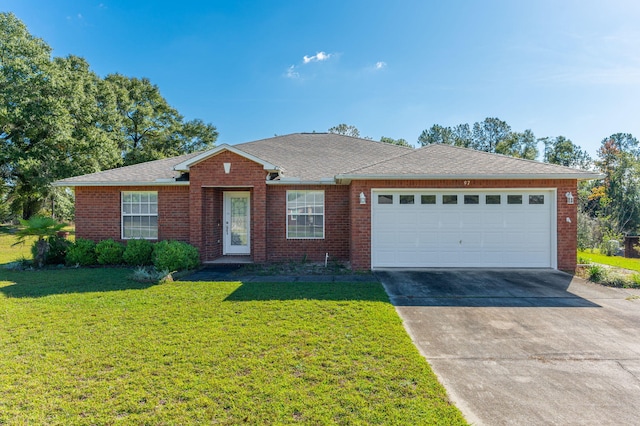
[(237, 229)]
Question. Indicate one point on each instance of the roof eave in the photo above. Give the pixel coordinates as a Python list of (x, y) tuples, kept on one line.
[(111, 183), (345, 178), (185, 165), (296, 181)]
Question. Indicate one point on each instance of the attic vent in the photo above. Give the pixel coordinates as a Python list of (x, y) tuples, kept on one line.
[(184, 177), (274, 176)]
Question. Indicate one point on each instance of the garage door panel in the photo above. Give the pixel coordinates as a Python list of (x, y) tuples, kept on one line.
[(464, 235)]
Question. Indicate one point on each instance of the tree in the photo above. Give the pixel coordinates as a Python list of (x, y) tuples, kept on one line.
[(489, 133), (618, 196), (400, 142), (519, 145), (436, 134), (562, 151), (43, 228), (52, 119), (346, 130), (59, 119)]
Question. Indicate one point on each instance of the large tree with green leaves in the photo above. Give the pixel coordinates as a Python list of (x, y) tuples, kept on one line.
[(59, 119), (562, 151), (618, 196)]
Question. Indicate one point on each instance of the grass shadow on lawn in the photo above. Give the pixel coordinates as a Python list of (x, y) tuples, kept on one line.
[(259, 291), (35, 284)]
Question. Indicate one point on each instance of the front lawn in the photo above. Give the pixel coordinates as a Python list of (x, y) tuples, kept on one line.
[(617, 261), (9, 253), (88, 346)]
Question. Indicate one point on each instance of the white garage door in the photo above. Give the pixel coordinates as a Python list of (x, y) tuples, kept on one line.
[(421, 228)]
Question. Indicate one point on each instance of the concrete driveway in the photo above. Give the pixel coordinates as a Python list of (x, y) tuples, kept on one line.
[(525, 346)]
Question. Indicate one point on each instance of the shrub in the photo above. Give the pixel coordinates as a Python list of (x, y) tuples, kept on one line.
[(596, 273), (175, 256), (82, 253), (109, 252), (56, 252), (151, 275), (138, 252)]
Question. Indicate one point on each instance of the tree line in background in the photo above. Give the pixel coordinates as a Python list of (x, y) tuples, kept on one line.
[(59, 119), (609, 208)]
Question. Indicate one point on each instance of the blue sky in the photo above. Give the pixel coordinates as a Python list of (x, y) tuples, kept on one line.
[(391, 68)]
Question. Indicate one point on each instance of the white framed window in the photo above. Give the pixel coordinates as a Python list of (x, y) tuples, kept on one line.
[(305, 214), (139, 215)]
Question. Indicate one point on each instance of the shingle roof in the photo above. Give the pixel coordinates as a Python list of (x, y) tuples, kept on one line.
[(313, 156), (306, 157), (446, 161), (143, 173)]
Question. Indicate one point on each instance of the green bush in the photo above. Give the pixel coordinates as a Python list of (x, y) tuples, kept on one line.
[(175, 256), (109, 252), (82, 252), (138, 252), (58, 247), (596, 273)]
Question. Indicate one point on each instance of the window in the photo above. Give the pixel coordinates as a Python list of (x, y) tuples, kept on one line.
[(492, 199), (514, 199), (305, 214), (472, 199), (140, 215), (449, 199), (536, 199), (385, 199), (407, 199), (427, 199)]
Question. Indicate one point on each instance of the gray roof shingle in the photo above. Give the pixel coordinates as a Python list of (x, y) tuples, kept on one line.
[(143, 173), (313, 156), (446, 161), (319, 156)]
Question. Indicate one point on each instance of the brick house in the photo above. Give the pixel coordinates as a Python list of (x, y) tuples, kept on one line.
[(375, 205)]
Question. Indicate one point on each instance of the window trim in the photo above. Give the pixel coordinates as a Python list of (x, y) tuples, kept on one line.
[(290, 214), (123, 215)]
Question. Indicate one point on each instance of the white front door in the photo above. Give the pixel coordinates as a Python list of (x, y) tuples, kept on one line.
[(237, 223)]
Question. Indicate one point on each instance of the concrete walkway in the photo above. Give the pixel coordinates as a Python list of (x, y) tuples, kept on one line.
[(525, 346)]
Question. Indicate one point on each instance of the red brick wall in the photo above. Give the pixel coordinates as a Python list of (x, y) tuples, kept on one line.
[(98, 215), (361, 214), (336, 226), (245, 175)]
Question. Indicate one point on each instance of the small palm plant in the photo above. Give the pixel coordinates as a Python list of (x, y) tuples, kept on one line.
[(41, 227)]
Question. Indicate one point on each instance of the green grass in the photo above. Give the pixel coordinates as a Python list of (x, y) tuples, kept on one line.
[(10, 253), (7, 252), (89, 346), (617, 261)]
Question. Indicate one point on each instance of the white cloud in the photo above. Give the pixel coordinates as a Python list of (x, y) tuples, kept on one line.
[(318, 57), (380, 65), (292, 73)]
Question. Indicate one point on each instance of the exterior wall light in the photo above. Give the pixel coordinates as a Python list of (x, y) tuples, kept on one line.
[(569, 196), (363, 198)]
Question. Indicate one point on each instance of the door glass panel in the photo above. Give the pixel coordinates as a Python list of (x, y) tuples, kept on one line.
[(492, 199), (514, 199), (428, 199), (385, 199), (449, 199), (406, 199), (472, 199), (239, 231)]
